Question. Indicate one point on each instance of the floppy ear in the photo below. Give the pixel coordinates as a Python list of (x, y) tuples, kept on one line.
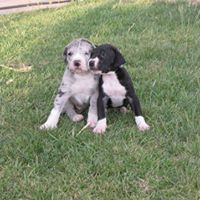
[(65, 53), (119, 59)]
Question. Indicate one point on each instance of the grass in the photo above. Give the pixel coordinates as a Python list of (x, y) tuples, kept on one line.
[(160, 41)]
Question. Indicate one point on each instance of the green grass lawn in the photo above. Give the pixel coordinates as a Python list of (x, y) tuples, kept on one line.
[(161, 44)]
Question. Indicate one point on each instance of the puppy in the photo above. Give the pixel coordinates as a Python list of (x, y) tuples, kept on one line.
[(77, 87), (115, 86)]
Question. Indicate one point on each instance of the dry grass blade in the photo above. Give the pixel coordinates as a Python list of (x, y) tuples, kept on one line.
[(82, 129)]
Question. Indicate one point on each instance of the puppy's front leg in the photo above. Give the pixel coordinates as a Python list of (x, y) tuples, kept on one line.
[(101, 111), (135, 106), (92, 112), (59, 103)]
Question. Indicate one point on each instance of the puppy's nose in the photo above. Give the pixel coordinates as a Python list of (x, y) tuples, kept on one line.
[(91, 64), (77, 63)]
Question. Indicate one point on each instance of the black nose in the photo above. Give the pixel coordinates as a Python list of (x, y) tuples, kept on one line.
[(77, 63), (91, 63)]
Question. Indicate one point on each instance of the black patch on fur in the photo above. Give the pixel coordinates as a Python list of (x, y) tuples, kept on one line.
[(61, 93), (65, 54), (119, 59)]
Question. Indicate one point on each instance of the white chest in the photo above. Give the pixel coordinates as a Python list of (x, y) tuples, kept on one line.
[(113, 88), (83, 84), (83, 88)]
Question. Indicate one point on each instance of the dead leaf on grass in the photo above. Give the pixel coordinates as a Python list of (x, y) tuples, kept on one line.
[(9, 81), (19, 67)]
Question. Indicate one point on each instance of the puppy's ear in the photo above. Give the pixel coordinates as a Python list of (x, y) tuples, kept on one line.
[(119, 59), (86, 40), (65, 53)]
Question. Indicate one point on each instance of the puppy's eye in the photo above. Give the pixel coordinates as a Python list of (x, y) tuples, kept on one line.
[(87, 53), (69, 54)]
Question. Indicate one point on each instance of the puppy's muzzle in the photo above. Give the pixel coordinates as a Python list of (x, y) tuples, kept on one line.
[(77, 63)]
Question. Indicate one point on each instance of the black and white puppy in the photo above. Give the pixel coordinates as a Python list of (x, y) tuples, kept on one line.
[(115, 86), (78, 87)]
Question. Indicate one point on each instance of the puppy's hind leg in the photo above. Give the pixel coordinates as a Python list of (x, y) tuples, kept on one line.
[(124, 108), (70, 111), (136, 108)]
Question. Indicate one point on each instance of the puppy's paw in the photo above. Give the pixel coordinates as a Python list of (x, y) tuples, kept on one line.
[(92, 123), (47, 126), (100, 127), (141, 124), (123, 109), (77, 118), (92, 120)]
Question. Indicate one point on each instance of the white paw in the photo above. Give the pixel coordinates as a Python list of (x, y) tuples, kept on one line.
[(52, 120), (92, 123), (47, 126), (143, 126), (100, 127), (92, 120), (77, 118)]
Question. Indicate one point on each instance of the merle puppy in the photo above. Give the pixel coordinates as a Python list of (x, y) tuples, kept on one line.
[(115, 86), (78, 86)]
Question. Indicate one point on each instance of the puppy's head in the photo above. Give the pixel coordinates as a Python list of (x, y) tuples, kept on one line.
[(105, 58), (76, 55)]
